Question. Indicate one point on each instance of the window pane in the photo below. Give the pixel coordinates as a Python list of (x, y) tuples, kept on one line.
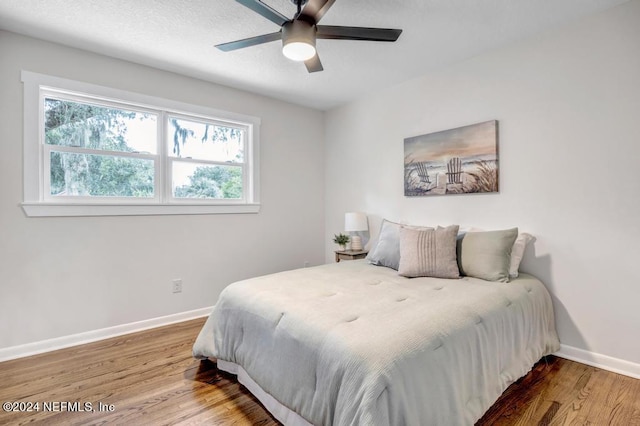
[(202, 141), (90, 175), (84, 125), (199, 181)]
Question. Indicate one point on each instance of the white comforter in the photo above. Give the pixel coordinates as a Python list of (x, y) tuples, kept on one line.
[(355, 344)]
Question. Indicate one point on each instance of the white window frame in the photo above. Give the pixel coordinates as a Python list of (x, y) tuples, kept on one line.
[(36, 170)]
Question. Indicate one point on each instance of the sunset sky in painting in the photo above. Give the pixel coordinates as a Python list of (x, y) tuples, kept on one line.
[(474, 140)]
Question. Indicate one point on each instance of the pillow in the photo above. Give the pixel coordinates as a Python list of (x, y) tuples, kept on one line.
[(486, 255), (387, 250), (428, 252), (517, 252)]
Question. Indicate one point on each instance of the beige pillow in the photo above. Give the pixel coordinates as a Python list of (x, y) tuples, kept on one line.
[(486, 255), (428, 252), (386, 251)]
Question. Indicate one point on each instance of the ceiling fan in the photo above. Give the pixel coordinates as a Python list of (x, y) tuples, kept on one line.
[(299, 34)]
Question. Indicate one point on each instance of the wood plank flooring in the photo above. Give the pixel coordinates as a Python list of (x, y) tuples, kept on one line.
[(151, 378)]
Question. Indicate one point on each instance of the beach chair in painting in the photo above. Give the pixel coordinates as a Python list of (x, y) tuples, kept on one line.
[(454, 170), (423, 174)]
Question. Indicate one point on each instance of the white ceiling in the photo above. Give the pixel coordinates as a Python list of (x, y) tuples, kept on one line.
[(179, 36)]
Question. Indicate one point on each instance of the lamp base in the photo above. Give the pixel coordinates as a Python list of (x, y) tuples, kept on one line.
[(356, 242)]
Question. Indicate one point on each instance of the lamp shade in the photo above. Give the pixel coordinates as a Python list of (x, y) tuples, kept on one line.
[(355, 221)]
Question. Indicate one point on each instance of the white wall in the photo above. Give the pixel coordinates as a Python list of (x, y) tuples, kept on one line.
[(62, 276), (568, 105)]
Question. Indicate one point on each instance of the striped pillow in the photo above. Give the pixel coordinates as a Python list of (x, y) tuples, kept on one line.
[(429, 252)]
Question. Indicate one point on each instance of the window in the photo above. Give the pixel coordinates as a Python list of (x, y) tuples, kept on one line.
[(91, 150), (97, 150), (206, 159)]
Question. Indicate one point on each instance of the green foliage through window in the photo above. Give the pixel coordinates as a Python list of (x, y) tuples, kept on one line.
[(101, 175), (212, 182), (109, 153)]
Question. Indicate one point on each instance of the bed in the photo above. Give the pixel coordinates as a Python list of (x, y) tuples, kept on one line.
[(356, 344)]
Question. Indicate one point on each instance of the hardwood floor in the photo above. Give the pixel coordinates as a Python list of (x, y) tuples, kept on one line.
[(562, 392), (151, 378)]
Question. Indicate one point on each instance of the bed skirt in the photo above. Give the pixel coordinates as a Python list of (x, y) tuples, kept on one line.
[(279, 411)]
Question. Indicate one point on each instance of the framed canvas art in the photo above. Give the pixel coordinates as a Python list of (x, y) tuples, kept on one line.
[(457, 161)]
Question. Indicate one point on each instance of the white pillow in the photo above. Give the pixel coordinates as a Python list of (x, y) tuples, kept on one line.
[(517, 252)]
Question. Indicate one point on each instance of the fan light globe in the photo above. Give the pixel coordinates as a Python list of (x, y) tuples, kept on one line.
[(298, 40), (298, 51)]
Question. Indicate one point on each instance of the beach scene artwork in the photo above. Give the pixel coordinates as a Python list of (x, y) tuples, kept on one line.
[(463, 160)]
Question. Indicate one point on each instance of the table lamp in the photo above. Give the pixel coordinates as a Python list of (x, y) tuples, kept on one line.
[(355, 222)]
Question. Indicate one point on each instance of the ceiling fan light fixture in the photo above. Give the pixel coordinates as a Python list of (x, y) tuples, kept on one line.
[(298, 51), (299, 33), (298, 40)]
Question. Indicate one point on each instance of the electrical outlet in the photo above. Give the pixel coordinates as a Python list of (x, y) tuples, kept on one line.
[(306, 263), (177, 285)]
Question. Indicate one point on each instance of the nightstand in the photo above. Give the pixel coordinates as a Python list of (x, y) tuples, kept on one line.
[(350, 254)]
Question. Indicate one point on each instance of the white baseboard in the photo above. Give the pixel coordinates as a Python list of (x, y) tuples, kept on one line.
[(605, 362), (49, 345)]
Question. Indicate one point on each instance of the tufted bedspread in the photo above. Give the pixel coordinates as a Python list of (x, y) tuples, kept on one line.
[(356, 344)]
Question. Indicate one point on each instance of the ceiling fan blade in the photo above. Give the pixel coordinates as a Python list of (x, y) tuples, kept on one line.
[(247, 42), (357, 33), (264, 10), (315, 9), (313, 64)]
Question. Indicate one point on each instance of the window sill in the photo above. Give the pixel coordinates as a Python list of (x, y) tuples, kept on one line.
[(61, 210)]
